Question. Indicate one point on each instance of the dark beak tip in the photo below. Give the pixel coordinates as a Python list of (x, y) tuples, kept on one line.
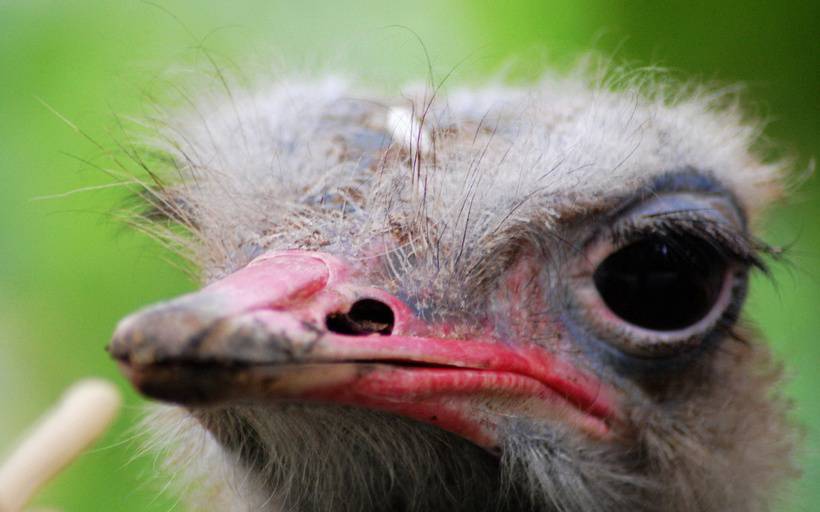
[(157, 332), (124, 342)]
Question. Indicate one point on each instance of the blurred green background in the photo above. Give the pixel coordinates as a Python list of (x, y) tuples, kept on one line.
[(68, 271)]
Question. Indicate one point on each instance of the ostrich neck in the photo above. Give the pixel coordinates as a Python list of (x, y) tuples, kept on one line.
[(315, 458)]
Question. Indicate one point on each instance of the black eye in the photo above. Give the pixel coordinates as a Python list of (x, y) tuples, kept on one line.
[(662, 283)]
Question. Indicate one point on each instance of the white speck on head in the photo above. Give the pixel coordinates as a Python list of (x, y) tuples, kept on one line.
[(408, 131)]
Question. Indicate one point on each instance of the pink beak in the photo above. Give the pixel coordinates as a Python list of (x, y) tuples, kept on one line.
[(299, 326)]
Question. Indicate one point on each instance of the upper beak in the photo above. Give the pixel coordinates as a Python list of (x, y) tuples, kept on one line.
[(296, 325)]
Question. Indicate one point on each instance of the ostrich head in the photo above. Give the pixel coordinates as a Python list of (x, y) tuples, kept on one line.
[(499, 299)]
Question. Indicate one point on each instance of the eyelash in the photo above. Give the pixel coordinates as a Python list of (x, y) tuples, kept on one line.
[(677, 227)]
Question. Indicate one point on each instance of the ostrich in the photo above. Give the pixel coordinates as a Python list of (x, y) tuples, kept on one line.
[(503, 298)]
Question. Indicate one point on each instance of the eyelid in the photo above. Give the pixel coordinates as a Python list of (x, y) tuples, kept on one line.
[(710, 218), (687, 205)]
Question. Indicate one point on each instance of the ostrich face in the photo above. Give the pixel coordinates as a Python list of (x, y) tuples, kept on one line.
[(508, 299)]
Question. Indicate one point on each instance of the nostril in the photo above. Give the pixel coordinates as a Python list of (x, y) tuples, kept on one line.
[(366, 316)]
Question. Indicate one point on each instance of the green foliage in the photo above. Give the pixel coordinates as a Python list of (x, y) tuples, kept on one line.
[(69, 270)]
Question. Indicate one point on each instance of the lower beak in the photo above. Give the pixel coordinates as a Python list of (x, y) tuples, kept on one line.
[(297, 326)]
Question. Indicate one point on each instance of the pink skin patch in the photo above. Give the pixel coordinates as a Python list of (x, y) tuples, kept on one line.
[(267, 321)]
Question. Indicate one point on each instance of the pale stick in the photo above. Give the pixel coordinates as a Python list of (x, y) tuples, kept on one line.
[(84, 413)]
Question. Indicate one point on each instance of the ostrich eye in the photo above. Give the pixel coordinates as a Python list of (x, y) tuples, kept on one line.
[(664, 274), (662, 283)]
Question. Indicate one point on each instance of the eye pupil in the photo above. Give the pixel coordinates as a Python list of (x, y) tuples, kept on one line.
[(662, 283)]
